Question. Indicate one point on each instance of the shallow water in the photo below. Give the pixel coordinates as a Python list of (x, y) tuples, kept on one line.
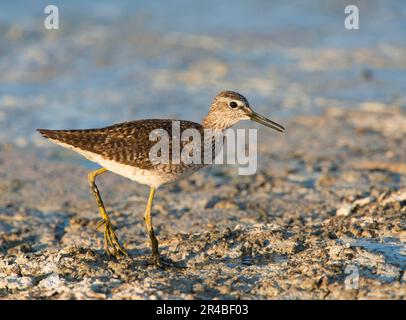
[(393, 250), (122, 60)]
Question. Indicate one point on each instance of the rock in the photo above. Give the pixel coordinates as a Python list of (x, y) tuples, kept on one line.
[(389, 271), (52, 282), (348, 209), (362, 202), (395, 197), (344, 211), (16, 283)]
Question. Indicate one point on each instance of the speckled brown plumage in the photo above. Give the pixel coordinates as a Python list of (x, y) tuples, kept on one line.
[(127, 143)]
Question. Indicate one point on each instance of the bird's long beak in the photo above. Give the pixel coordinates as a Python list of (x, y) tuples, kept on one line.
[(266, 122)]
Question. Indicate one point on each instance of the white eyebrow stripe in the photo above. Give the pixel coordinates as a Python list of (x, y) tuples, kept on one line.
[(239, 102)]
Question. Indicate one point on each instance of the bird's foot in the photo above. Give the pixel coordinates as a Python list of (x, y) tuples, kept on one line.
[(111, 244)]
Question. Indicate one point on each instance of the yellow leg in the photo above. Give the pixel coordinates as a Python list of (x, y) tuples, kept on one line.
[(111, 244), (150, 229)]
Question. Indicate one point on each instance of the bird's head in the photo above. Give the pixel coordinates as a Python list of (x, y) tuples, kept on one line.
[(229, 107)]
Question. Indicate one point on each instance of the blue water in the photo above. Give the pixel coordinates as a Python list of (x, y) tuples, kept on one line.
[(116, 61)]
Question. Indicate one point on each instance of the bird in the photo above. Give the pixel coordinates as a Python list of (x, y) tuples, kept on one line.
[(125, 149)]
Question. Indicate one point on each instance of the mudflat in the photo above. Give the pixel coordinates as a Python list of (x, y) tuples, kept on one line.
[(323, 218)]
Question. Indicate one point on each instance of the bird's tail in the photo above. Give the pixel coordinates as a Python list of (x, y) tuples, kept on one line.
[(49, 134), (83, 139)]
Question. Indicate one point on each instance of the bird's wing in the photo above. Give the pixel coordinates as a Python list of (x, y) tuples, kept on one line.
[(127, 143)]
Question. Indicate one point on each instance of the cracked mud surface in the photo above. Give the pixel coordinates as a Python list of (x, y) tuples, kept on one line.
[(328, 202)]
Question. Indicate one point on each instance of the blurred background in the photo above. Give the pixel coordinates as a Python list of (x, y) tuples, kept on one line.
[(114, 61), (329, 193)]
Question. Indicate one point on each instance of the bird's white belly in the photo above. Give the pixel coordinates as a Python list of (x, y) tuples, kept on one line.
[(148, 177), (143, 176)]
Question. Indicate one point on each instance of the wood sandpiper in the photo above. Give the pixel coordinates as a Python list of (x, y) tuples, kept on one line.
[(124, 149)]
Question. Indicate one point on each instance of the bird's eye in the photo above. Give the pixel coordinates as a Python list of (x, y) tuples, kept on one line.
[(233, 104)]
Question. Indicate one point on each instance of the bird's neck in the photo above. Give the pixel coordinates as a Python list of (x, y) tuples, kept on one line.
[(216, 122)]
